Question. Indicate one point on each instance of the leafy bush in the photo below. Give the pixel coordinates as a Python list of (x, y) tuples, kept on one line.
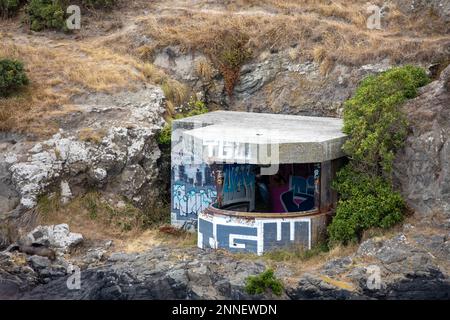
[(46, 14), (165, 135), (12, 76), (9, 8), (377, 129), (366, 201), (373, 120), (263, 282), (194, 107)]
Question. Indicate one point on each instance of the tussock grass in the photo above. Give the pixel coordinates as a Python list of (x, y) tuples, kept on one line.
[(329, 32), (92, 135), (95, 217), (59, 70)]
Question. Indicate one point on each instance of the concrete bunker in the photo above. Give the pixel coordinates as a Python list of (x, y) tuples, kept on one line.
[(252, 181)]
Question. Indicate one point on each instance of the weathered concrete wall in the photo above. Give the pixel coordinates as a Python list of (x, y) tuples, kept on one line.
[(258, 235), (192, 182), (244, 137)]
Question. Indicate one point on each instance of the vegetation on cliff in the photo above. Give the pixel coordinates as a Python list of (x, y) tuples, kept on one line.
[(12, 76), (264, 282), (377, 128)]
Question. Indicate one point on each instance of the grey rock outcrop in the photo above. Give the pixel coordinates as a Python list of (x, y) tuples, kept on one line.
[(274, 82), (57, 237), (401, 267), (410, 265), (105, 141), (422, 168), (161, 273)]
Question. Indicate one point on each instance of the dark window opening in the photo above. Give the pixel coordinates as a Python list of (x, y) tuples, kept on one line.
[(294, 188)]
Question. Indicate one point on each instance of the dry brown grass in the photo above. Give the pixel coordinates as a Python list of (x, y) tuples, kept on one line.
[(96, 219), (59, 70), (297, 259), (91, 135), (204, 69), (88, 215), (337, 28), (329, 32)]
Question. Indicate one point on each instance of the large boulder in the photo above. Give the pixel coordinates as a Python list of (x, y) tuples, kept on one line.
[(422, 168), (57, 237)]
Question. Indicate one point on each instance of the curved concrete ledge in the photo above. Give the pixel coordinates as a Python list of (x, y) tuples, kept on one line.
[(268, 215), (259, 233)]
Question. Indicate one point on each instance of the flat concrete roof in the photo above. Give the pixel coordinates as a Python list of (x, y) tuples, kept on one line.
[(299, 139)]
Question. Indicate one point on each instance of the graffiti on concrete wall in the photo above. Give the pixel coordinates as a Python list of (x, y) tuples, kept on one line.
[(190, 201), (193, 190), (256, 236), (239, 184), (301, 194)]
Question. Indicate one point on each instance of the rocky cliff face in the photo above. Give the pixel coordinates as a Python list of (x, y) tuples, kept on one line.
[(423, 166), (411, 264), (273, 83), (107, 142)]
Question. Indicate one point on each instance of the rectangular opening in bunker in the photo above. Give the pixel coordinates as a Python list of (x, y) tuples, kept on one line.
[(242, 187)]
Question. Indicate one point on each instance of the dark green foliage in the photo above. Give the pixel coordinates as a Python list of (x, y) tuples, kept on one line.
[(12, 76), (373, 119), (263, 282), (194, 107), (9, 8), (366, 201), (46, 14), (164, 137), (376, 128)]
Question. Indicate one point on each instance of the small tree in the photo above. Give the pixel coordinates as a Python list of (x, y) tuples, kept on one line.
[(46, 14), (376, 129), (373, 120), (12, 76), (229, 51)]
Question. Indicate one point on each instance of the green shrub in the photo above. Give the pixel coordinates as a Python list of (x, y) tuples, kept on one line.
[(164, 136), (46, 14), (9, 8), (376, 129), (373, 119), (12, 76), (263, 282), (194, 108), (366, 201)]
